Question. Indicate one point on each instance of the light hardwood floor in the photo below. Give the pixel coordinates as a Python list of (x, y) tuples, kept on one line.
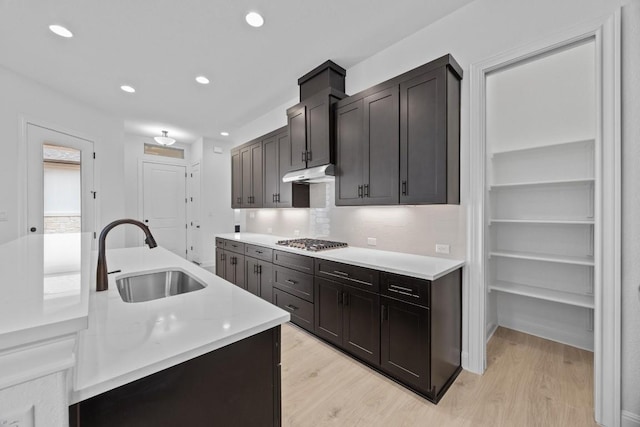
[(529, 382)]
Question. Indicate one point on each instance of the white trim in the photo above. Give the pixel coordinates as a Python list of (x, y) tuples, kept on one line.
[(608, 237), (629, 419)]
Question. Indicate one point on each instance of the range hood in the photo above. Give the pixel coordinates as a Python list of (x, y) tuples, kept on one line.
[(324, 173)]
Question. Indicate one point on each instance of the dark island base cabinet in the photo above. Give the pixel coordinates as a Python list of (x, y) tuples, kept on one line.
[(226, 387)]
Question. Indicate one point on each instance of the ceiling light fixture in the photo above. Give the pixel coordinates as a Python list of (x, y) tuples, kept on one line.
[(202, 80), (61, 31), (224, 133), (164, 139), (254, 19), (127, 89)]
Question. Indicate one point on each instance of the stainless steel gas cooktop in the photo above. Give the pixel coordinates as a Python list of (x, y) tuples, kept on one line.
[(313, 245)]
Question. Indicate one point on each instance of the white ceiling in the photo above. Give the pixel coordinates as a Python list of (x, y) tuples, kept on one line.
[(160, 46)]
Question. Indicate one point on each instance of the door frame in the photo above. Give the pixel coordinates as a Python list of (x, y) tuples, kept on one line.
[(23, 175), (607, 311), (167, 162)]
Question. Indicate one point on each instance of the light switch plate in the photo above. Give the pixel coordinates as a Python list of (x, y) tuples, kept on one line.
[(372, 241), (442, 249), (296, 232), (217, 150)]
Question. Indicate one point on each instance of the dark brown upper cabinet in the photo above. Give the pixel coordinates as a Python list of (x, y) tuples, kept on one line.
[(278, 194), (368, 131), (310, 124), (399, 142), (246, 176)]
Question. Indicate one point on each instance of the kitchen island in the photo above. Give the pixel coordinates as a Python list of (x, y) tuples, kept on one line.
[(62, 343)]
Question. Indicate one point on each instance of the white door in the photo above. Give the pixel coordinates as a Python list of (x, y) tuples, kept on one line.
[(196, 231), (164, 205), (60, 197)]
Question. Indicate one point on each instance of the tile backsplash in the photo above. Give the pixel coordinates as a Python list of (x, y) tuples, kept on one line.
[(411, 229)]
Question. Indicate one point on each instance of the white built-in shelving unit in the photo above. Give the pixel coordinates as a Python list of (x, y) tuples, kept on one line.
[(541, 210)]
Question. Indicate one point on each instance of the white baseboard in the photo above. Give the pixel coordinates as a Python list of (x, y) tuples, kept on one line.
[(464, 359), (629, 419), (490, 331)]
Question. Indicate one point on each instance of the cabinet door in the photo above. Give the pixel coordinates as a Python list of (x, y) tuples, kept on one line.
[(349, 134), (265, 280), (220, 262), (381, 148), (318, 137), (236, 180), (361, 324), (423, 139), (271, 174), (256, 175), (328, 310), (245, 168), (404, 343), (297, 125), (234, 269), (251, 275), (283, 191)]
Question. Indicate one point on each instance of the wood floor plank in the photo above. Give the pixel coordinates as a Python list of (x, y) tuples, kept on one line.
[(529, 381)]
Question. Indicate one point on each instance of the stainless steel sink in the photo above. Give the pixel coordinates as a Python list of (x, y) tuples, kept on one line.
[(150, 286)]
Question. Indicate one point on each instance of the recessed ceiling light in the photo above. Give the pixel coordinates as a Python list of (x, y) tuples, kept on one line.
[(254, 19), (127, 88), (202, 80), (224, 133), (61, 31)]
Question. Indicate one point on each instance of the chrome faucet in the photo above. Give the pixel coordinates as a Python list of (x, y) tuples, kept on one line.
[(102, 279)]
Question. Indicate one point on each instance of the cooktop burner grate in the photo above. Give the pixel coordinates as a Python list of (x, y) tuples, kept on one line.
[(313, 245)]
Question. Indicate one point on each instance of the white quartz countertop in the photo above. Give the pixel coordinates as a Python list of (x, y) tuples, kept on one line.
[(41, 291), (128, 341), (423, 267)]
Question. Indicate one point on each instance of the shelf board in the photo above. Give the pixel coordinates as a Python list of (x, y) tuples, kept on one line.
[(562, 259), (543, 221), (541, 183), (580, 300), (541, 147)]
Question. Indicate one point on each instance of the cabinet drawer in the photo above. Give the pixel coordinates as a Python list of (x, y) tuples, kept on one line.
[(295, 261), (233, 246), (294, 282), (359, 277), (219, 243), (301, 310), (260, 252), (410, 289)]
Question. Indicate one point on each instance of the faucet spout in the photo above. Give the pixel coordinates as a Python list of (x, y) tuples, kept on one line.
[(102, 278)]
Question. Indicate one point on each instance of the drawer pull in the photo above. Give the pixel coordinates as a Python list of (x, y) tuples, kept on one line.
[(341, 273), (259, 252), (291, 282), (292, 307), (403, 291)]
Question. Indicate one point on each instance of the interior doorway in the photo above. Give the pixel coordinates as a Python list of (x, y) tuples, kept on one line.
[(164, 203)]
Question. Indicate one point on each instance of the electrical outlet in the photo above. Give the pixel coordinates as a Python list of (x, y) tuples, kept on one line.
[(296, 233), (21, 418), (217, 150), (442, 249), (372, 241), (4, 216)]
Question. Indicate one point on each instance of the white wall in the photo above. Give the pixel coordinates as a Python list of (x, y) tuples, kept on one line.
[(216, 215), (483, 29), (22, 97)]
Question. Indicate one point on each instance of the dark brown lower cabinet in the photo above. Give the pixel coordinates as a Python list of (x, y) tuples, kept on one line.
[(404, 334), (226, 387), (349, 318), (234, 269), (259, 278), (301, 311)]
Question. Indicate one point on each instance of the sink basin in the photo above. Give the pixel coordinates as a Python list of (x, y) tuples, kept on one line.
[(162, 284)]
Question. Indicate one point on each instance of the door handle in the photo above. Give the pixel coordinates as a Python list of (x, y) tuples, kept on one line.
[(278, 197), (404, 188), (33, 229), (146, 220), (359, 190), (366, 190)]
